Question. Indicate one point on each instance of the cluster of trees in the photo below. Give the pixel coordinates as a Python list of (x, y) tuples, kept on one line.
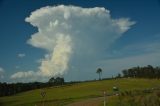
[(142, 72), (56, 81), (7, 89)]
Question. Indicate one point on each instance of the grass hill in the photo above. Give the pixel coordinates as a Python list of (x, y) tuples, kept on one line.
[(63, 95)]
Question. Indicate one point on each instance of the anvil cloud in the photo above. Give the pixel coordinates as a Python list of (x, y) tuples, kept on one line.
[(71, 35)]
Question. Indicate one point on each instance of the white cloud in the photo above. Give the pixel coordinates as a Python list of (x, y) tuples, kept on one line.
[(21, 55), (72, 35), (17, 67), (1, 72), (22, 74), (27, 76)]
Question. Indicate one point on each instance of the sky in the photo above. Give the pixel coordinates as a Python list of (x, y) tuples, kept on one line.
[(72, 38)]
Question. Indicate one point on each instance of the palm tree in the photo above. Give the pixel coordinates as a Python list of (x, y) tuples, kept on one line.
[(99, 71)]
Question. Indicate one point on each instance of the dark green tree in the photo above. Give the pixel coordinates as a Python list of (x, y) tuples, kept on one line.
[(56, 81), (142, 72)]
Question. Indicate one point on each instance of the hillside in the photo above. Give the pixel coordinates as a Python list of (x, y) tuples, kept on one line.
[(63, 95)]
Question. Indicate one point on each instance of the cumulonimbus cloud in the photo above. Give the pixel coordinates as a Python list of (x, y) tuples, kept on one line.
[(71, 33)]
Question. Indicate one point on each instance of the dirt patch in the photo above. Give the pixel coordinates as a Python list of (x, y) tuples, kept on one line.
[(88, 102)]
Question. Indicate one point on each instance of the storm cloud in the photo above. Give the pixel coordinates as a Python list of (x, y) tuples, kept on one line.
[(72, 37)]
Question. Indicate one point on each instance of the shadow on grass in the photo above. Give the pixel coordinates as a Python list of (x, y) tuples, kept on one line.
[(8, 102)]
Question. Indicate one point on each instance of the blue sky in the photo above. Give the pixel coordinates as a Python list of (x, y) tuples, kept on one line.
[(138, 45)]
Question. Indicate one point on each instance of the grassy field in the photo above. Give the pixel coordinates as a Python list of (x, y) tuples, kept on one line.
[(60, 96)]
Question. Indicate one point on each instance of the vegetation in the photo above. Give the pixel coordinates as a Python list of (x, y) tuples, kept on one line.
[(142, 72), (56, 81), (65, 94), (146, 97), (99, 72), (7, 89)]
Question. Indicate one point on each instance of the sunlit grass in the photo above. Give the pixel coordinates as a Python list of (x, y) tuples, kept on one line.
[(59, 96)]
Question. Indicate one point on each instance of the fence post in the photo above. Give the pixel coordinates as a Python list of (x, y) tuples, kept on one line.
[(104, 98)]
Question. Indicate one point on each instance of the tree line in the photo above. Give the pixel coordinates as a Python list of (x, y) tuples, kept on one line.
[(142, 72), (7, 89)]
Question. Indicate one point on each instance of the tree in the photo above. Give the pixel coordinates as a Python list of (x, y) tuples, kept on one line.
[(59, 81), (119, 75), (51, 80), (125, 73), (99, 72), (56, 81)]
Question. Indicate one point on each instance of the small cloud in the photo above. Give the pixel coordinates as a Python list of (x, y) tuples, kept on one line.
[(21, 55), (22, 74), (27, 76), (1, 72), (17, 67)]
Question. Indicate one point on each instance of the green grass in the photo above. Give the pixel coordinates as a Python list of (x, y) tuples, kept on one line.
[(59, 96)]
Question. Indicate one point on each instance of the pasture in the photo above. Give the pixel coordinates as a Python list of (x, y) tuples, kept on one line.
[(67, 94)]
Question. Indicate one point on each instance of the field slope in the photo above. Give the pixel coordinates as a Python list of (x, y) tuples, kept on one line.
[(63, 95)]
